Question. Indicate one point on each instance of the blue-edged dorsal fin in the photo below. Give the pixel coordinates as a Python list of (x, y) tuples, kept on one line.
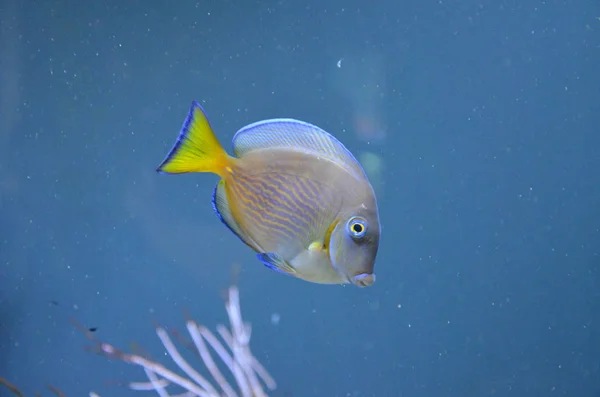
[(294, 134), (221, 207), (275, 262)]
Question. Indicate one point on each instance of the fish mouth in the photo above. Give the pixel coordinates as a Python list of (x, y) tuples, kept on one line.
[(363, 280)]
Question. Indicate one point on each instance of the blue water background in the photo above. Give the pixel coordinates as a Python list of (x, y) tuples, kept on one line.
[(485, 116)]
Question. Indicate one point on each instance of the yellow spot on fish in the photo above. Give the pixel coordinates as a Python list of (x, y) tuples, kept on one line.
[(315, 246)]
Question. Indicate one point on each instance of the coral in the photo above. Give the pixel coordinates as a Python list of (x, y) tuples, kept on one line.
[(232, 351)]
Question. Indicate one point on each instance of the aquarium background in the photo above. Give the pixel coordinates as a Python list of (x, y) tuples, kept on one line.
[(478, 122)]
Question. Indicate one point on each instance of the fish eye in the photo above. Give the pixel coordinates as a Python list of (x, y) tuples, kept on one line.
[(357, 227)]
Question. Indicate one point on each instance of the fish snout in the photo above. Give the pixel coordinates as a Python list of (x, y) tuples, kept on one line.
[(363, 280)]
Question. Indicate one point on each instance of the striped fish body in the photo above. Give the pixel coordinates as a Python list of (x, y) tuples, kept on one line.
[(286, 201)]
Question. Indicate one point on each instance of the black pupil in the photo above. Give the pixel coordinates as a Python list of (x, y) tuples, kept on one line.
[(357, 228)]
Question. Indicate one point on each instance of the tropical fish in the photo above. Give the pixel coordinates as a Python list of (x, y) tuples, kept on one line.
[(293, 193)]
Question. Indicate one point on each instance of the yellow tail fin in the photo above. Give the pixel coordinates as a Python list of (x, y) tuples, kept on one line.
[(197, 148)]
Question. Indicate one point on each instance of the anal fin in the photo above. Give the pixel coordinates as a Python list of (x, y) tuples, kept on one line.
[(275, 262)]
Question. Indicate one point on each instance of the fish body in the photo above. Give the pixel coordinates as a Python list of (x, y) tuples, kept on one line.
[(292, 193)]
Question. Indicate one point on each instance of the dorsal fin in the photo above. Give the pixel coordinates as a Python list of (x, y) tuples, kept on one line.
[(294, 134)]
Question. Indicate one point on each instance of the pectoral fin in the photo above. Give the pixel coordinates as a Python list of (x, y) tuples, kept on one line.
[(275, 262)]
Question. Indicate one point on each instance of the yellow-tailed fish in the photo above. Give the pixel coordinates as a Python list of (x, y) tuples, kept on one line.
[(293, 193)]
